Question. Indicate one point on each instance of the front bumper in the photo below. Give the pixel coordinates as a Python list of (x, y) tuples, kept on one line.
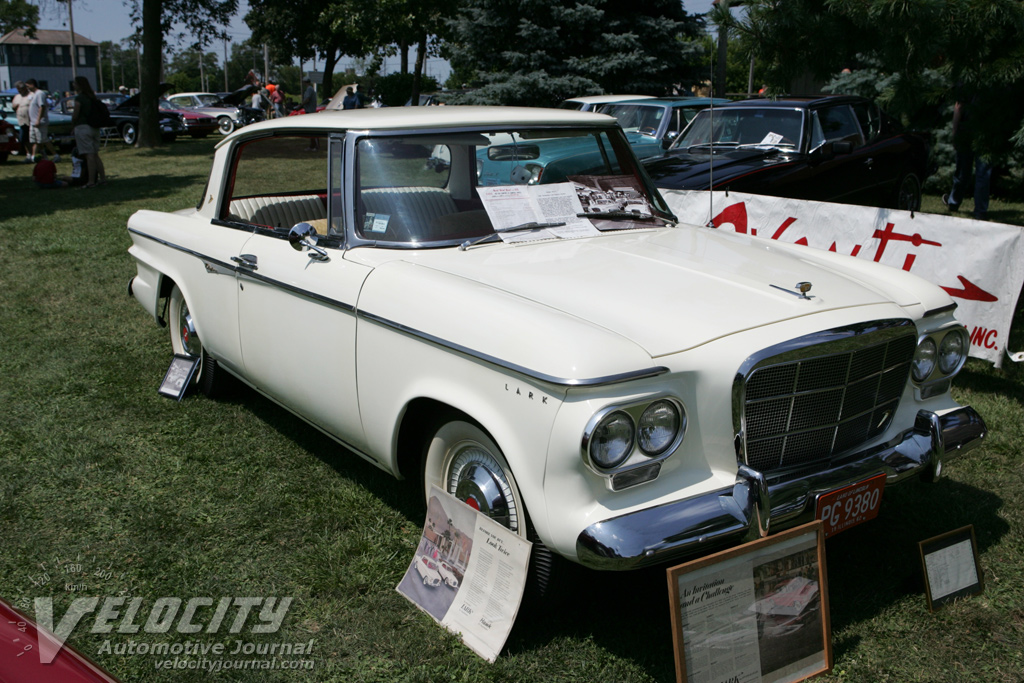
[(757, 505)]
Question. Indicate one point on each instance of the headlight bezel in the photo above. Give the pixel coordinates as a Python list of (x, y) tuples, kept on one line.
[(937, 340), (636, 457)]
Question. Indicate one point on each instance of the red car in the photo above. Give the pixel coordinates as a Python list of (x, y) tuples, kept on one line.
[(197, 124), (21, 661), (8, 140)]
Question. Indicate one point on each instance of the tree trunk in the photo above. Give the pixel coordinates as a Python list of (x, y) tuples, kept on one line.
[(152, 48), (327, 87), (403, 52), (421, 56)]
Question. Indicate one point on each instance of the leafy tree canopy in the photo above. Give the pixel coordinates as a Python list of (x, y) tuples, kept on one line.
[(975, 46), (535, 52), (15, 14)]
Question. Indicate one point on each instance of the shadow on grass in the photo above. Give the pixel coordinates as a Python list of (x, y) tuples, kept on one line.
[(870, 567), (36, 202)]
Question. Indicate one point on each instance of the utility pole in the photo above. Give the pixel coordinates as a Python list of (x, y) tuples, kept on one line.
[(227, 88), (266, 64), (99, 66), (71, 25), (202, 73)]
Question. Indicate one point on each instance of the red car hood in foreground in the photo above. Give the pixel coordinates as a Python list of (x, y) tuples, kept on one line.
[(20, 661)]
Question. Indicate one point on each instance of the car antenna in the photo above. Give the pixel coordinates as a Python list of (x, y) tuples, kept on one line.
[(711, 148)]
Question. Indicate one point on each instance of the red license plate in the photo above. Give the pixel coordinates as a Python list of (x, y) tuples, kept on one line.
[(849, 506)]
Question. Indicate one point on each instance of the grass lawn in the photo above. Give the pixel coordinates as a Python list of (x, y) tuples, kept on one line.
[(110, 489)]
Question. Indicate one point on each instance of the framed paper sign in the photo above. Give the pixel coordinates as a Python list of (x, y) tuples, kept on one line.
[(951, 567), (755, 613), (179, 375)]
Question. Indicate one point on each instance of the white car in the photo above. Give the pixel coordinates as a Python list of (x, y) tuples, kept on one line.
[(625, 391), (594, 102), (428, 571), (448, 575), (231, 113)]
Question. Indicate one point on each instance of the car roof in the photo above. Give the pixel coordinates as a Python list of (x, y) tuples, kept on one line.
[(606, 99), (677, 101), (800, 102), (403, 118)]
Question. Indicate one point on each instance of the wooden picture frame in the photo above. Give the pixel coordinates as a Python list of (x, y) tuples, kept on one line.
[(178, 377), (951, 566), (757, 612)]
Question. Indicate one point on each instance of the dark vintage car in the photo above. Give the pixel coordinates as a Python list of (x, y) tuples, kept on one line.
[(833, 148), (125, 114)]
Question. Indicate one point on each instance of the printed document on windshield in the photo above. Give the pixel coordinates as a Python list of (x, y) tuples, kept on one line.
[(509, 206)]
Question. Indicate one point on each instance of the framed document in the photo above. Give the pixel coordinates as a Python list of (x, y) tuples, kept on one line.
[(951, 566), (179, 376), (755, 613)]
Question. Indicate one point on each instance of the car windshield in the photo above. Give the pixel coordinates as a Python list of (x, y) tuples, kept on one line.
[(636, 118), (208, 100), (445, 188), (743, 127)]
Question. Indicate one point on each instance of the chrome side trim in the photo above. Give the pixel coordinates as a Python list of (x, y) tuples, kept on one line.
[(487, 358), (756, 506), (248, 273)]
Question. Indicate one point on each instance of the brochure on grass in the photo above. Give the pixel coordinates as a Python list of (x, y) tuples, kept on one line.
[(468, 573)]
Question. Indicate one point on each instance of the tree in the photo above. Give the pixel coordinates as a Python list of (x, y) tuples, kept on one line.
[(199, 19), (534, 52), (15, 14), (977, 46)]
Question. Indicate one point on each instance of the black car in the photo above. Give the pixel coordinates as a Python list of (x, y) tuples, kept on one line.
[(834, 149), (125, 114)]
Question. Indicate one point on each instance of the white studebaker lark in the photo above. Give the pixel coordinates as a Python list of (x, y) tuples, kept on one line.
[(549, 346)]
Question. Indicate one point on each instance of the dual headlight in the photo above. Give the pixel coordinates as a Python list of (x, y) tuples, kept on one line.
[(648, 429), (940, 355)]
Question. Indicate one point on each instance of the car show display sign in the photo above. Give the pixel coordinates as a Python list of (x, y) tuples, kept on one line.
[(951, 566), (178, 376), (978, 263), (468, 573), (754, 613)]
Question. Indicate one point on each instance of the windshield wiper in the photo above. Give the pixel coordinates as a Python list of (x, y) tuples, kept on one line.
[(617, 215), (712, 145), (532, 225)]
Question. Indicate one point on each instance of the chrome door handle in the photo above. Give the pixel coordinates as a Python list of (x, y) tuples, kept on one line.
[(246, 261)]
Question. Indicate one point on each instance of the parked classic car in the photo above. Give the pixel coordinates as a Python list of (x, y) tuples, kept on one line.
[(625, 392), (230, 109), (834, 149), (653, 123), (125, 114), (427, 569), (594, 102), (448, 574), (197, 124)]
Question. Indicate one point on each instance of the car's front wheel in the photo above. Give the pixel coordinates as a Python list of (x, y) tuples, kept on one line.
[(185, 341), (463, 460), (129, 133), (225, 125), (908, 193)]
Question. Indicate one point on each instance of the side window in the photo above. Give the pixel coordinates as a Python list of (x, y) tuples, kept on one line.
[(838, 124), (180, 101), (869, 118), (279, 181)]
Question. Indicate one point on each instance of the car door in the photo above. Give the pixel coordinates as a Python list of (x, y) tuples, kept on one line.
[(296, 309), (844, 177)]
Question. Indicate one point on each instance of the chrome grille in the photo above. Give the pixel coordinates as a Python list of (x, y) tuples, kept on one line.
[(819, 399)]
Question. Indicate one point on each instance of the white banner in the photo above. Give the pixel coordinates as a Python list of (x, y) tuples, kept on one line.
[(978, 263)]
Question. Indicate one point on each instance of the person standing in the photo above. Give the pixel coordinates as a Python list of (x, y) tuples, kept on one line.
[(39, 120), (964, 142), (350, 100), (309, 106), (21, 103), (277, 99), (87, 136)]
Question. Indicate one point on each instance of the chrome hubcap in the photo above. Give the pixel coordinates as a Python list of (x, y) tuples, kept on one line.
[(189, 339), (477, 479)]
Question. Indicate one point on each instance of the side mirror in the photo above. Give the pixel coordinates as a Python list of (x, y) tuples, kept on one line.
[(829, 150), (303, 237), (670, 136)]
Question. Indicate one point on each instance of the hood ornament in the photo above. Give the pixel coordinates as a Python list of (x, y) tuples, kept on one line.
[(801, 290)]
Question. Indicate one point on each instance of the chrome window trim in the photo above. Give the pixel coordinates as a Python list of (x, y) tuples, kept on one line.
[(636, 457)]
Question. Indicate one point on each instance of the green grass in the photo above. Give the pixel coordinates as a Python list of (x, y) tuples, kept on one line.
[(238, 498)]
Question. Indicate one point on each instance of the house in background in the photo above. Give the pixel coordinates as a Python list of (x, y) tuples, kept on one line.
[(46, 58)]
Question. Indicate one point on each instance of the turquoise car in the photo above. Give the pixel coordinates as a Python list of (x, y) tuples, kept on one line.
[(650, 125)]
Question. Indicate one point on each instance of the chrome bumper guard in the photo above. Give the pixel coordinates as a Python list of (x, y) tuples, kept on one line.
[(757, 505)]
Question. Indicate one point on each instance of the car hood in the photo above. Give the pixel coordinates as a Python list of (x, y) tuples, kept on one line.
[(692, 170), (133, 101), (705, 284)]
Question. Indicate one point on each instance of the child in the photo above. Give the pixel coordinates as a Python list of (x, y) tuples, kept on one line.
[(45, 175)]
